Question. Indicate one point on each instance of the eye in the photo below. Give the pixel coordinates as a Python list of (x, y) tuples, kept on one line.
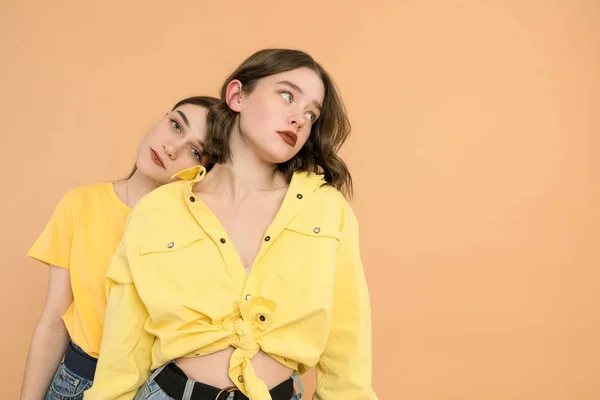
[(287, 96), (176, 125), (311, 116), (197, 155)]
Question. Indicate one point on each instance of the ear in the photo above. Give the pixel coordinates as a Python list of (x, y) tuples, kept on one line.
[(233, 95)]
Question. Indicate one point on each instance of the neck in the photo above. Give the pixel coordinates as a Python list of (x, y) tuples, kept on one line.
[(244, 174), (138, 186)]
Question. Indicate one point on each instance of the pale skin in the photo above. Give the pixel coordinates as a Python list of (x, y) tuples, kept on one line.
[(177, 139), (246, 192), (50, 338)]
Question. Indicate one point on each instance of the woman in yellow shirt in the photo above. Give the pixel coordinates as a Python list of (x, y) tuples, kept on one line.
[(226, 284), (77, 244)]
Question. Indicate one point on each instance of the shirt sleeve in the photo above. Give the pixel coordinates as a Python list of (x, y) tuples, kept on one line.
[(345, 367), (125, 352), (53, 246)]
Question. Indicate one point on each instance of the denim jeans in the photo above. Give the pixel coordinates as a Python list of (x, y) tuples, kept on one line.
[(67, 385), (151, 391)]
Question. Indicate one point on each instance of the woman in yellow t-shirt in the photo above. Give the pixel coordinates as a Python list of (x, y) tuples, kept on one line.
[(227, 284), (78, 243)]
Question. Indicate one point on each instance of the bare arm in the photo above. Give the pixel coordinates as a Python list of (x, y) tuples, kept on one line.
[(50, 338)]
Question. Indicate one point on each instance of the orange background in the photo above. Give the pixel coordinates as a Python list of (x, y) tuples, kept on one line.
[(474, 149)]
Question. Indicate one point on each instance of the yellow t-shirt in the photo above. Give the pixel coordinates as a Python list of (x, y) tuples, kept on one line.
[(82, 237), (177, 288)]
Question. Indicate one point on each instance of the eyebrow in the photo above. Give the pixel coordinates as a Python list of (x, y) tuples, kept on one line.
[(185, 119), (299, 90), (187, 122)]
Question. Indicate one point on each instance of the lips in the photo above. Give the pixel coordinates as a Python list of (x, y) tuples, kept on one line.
[(289, 137), (156, 158)]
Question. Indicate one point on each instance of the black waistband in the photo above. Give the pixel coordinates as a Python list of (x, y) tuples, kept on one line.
[(79, 362), (172, 381)]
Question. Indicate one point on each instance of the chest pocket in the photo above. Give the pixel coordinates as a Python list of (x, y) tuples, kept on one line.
[(170, 271), (171, 252), (172, 259), (310, 259)]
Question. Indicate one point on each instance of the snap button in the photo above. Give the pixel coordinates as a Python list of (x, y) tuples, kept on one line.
[(241, 378), (262, 318), (170, 245), (223, 240), (317, 230), (192, 199), (299, 196), (267, 238)]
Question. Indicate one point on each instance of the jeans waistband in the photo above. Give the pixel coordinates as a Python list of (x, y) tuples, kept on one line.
[(173, 381), (79, 362)]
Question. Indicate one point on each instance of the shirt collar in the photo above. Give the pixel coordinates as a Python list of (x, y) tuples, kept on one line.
[(303, 183), (194, 174)]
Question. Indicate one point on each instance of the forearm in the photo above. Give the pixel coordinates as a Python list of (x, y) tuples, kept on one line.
[(48, 346)]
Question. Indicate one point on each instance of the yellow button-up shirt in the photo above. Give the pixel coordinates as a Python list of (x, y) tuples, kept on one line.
[(177, 288)]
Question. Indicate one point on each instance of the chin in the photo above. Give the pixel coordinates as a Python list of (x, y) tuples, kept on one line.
[(279, 155), (154, 173), (278, 159)]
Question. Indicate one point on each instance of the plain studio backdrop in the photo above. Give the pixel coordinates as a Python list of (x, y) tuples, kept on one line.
[(476, 132)]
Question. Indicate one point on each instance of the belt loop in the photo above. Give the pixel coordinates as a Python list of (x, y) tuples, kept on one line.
[(189, 388), (156, 372), (300, 391)]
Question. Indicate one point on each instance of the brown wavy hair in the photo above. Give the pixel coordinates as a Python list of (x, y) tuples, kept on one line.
[(328, 133), (202, 101)]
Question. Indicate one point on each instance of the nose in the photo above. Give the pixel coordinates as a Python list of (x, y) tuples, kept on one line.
[(170, 150), (297, 120)]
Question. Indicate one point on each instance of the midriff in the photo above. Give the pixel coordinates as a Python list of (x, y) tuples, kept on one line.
[(213, 369)]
